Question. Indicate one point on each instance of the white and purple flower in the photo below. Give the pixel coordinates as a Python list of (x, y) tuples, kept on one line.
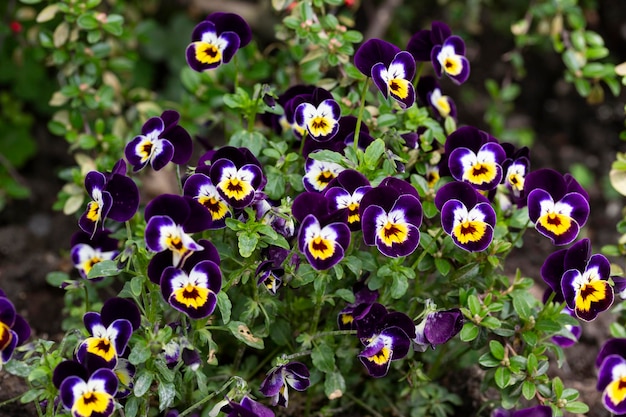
[(278, 380), (14, 330), (92, 397)]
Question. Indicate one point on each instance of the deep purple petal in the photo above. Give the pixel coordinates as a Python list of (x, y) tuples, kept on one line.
[(372, 52), (120, 308), (125, 195)]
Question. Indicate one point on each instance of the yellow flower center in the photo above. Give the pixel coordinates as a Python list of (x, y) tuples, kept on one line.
[(556, 223), (393, 233), (469, 231), (321, 248), (207, 53), (192, 296)]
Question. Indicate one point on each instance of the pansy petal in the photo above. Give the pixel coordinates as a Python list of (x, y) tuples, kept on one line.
[(372, 52), (162, 155), (125, 195)]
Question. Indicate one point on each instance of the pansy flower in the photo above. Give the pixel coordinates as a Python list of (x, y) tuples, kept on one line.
[(612, 382), (516, 166), (216, 40), (199, 187), (350, 315), (285, 122), (324, 235), (14, 330), (536, 411), (161, 140), (87, 251), (395, 79), (386, 338), (555, 265), (237, 175), (449, 58), (321, 120), (557, 205), (391, 215), (613, 346), (466, 216), (278, 380), (473, 159), (195, 292), (110, 332), (429, 93), (588, 292), (318, 174), (125, 373), (247, 407), (91, 397), (345, 192), (373, 52), (113, 195), (437, 328), (315, 97)]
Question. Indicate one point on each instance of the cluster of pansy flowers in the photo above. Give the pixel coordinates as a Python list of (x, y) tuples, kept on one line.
[(338, 204)]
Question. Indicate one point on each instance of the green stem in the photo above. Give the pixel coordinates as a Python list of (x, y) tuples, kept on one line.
[(333, 333), (209, 397), (362, 404), (359, 118), (87, 306), (418, 73), (423, 254)]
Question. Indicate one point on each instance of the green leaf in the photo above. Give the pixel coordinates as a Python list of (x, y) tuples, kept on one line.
[(531, 364), (56, 279), (373, 153), (106, 268), (247, 243), (443, 265), (353, 36), (136, 285), (167, 393), (488, 361), (139, 354), (469, 332), (225, 306), (143, 382), (502, 377), (528, 390), (473, 303), (522, 303), (328, 156), (131, 407), (87, 21), (557, 387), (399, 286), (334, 385), (323, 357), (241, 332), (496, 349), (577, 407)]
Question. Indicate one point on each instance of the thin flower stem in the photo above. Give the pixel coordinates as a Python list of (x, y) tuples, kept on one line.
[(423, 254), (209, 397), (363, 405), (10, 400), (333, 333), (418, 73), (357, 130), (296, 355)]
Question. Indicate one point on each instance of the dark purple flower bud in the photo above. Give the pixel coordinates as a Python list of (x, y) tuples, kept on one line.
[(14, 330), (437, 328)]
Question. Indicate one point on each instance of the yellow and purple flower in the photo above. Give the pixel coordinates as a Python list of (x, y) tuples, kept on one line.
[(278, 380), (324, 235), (364, 298), (612, 375), (113, 195), (110, 332), (557, 205), (216, 40), (14, 330), (162, 140), (199, 187), (318, 174), (195, 292), (429, 93), (89, 250), (516, 167), (391, 215), (94, 397), (423, 41), (475, 158), (345, 192), (319, 119), (466, 216), (237, 175), (395, 78), (386, 336)]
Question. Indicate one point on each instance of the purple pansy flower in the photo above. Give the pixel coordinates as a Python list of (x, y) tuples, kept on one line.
[(278, 380), (394, 79), (162, 140), (318, 174), (319, 118), (345, 192), (466, 216), (199, 187), (87, 251), (386, 336), (391, 215), (516, 167), (536, 411), (195, 292), (324, 235), (113, 195), (437, 328), (110, 332), (373, 52), (557, 205), (612, 381), (349, 316), (91, 397), (247, 407), (237, 175), (449, 58), (474, 159), (14, 330), (216, 40), (429, 93)]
